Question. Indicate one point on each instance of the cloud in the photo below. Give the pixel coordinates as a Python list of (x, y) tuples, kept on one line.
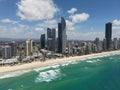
[(78, 18), (70, 25), (84, 35), (17, 31), (116, 24), (116, 27), (50, 23), (75, 18), (72, 11), (31, 10), (7, 20), (39, 29)]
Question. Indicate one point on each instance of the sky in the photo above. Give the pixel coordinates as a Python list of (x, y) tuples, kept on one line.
[(85, 19)]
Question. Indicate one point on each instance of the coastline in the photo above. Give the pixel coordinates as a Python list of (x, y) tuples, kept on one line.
[(38, 64)]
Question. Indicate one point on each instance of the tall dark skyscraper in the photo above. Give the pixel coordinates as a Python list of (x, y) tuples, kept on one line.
[(62, 37), (13, 48), (51, 39), (42, 41), (54, 39), (59, 37), (108, 36)]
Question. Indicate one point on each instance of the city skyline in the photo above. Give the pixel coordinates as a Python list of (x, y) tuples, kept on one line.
[(85, 19)]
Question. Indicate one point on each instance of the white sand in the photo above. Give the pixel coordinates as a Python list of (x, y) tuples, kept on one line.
[(37, 64)]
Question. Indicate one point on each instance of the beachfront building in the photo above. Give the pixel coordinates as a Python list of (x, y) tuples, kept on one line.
[(104, 44), (88, 48), (29, 47), (98, 44), (62, 37), (13, 48), (42, 41), (51, 39), (119, 43), (54, 39), (94, 48), (6, 52), (115, 44), (108, 36)]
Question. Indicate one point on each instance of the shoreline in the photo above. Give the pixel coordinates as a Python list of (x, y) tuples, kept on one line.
[(38, 64)]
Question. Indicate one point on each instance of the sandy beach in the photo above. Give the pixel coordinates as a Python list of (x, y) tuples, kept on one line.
[(38, 64)]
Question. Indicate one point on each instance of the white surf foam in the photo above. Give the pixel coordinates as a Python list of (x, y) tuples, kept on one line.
[(9, 89), (47, 67), (55, 66), (48, 76), (13, 74), (68, 63), (41, 68), (93, 61)]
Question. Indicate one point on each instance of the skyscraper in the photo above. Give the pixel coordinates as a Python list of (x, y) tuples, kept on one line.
[(42, 41), (108, 36), (51, 39), (98, 44), (6, 52), (104, 44), (29, 47), (115, 43), (54, 39), (62, 37), (13, 48), (59, 37)]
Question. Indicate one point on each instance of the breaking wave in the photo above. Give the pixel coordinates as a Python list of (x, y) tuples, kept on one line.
[(68, 63), (93, 61), (54, 66), (14, 74), (48, 76), (19, 73)]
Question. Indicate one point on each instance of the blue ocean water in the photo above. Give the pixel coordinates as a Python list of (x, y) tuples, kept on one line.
[(101, 73)]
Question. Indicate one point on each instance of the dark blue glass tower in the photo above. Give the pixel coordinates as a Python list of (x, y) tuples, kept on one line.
[(62, 37), (108, 36), (42, 41)]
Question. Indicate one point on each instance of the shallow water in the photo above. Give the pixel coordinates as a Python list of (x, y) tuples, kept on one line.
[(102, 73)]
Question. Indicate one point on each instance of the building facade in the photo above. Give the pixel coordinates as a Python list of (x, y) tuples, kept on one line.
[(6, 52), (115, 44), (51, 39), (29, 47), (108, 36), (13, 48), (62, 37), (42, 41)]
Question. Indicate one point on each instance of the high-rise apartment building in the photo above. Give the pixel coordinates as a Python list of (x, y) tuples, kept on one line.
[(115, 44), (62, 37), (51, 39), (13, 48), (29, 47), (6, 52), (108, 36), (42, 41)]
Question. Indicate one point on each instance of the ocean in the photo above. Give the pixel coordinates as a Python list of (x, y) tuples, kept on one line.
[(101, 73)]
